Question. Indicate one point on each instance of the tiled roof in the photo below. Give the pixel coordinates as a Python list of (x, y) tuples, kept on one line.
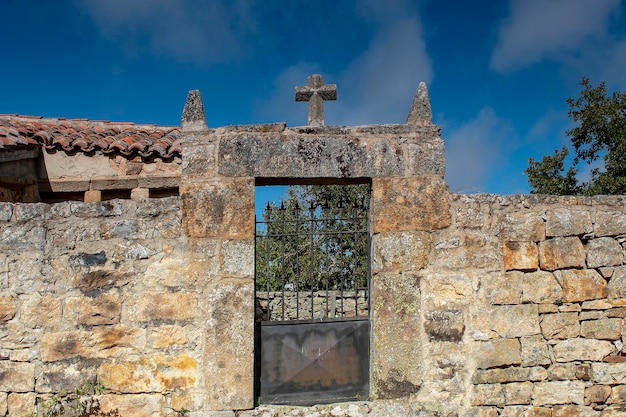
[(88, 136)]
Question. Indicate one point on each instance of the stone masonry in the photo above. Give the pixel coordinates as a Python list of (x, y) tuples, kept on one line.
[(481, 305)]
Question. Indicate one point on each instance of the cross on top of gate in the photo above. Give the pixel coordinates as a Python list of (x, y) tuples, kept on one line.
[(316, 92)]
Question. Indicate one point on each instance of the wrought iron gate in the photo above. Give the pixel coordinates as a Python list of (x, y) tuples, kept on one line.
[(312, 303)]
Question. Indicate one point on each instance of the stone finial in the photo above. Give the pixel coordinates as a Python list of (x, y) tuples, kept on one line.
[(193, 119), (420, 113), (316, 92)]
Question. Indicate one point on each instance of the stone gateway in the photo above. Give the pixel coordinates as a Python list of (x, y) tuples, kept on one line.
[(127, 257)]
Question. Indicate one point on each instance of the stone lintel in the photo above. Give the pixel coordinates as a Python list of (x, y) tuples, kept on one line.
[(127, 182), (63, 185), (164, 181)]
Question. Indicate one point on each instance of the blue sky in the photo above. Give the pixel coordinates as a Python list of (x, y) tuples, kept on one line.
[(498, 72)]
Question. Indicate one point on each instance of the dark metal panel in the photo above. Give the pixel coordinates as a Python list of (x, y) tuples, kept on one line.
[(313, 363)]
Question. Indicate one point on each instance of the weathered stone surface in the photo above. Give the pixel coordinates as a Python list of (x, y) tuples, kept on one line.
[(238, 258), (400, 251), (537, 373), (132, 405), (64, 377), (445, 325), (193, 118), (404, 204), (488, 394), (541, 287), (164, 307), (574, 411), (3, 403), (534, 351), (41, 312), (7, 308), (608, 329), (104, 309), (396, 312), (159, 373), (617, 284), (21, 404), (566, 221), (597, 394), (219, 209), (561, 252), (229, 345), (610, 223), (420, 112), (503, 289), (482, 412), (500, 375), (518, 393), (618, 395), (525, 411), (497, 352), (166, 336), (445, 290), (582, 350), (17, 376), (95, 282), (199, 159), (604, 251), (131, 251), (562, 372), (520, 255), (520, 227), (505, 321), (425, 158), (559, 392), (466, 250), (608, 373), (581, 285)]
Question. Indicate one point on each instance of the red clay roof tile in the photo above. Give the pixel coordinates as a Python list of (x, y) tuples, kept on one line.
[(88, 136)]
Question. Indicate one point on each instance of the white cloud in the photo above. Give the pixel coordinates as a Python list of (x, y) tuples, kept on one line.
[(476, 150), (188, 31), (538, 29), (376, 87)]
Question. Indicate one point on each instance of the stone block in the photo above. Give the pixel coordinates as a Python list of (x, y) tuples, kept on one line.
[(219, 209), (567, 221), (571, 350), (617, 284), (607, 329), (6, 211), (482, 412), (444, 290), (8, 308), (465, 250), (610, 223), (100, 310), (497, 352), (561, 252), (608, 373), (132, 405), (505, 321), (228, 361), (397, 334), (158, 373), (618, 395), (238, 258), (131, 251), (501, 375), (64, 377), (409, 204), (21, 404), (503, 289), (199, 160), (534, 351), (125, 229), (101, 280), (444, 325), (616, 410), (522, 256), (4, 407), (525, 411), (487, 394), (537, 373), (574, 411), (17, 376), (520, 227), (20, 238), (562, 371), (400, 251), (165, 336), (559, 392), (425, 158), (518, 393), (162, 307), (541, 287), (582, 284), (597, 394), (604, 251)]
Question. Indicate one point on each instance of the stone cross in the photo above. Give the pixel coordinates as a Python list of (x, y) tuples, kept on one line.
[(316, 92)]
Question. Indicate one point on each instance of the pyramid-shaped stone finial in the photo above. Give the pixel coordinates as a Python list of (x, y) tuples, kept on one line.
[(193, 119), (420, 113)]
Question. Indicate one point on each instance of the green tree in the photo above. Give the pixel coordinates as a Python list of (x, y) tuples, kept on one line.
[(313, 240), (599, 134)]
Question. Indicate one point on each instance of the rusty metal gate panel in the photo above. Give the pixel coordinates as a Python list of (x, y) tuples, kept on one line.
[(306, 363)]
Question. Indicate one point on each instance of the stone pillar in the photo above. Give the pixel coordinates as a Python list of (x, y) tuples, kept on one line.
[(218, 220)]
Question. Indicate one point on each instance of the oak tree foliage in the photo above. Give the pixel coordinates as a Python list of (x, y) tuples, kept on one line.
[(599, 136)]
